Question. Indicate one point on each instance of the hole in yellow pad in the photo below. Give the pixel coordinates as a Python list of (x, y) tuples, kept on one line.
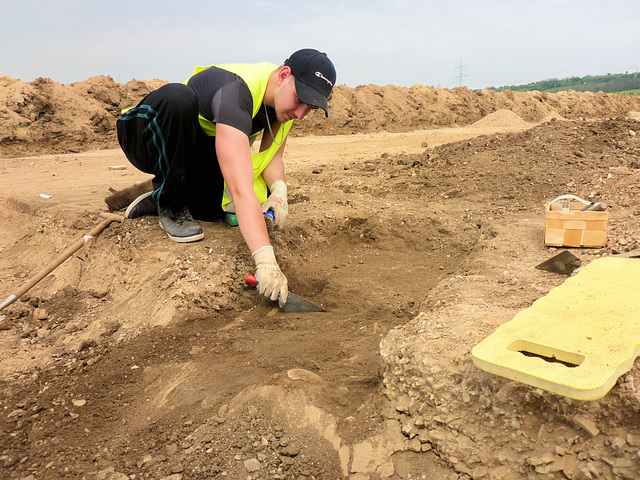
[(548, 354)]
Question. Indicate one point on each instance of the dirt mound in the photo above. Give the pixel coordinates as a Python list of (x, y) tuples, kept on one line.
[(44, 116), (372, 108), (500, 118)]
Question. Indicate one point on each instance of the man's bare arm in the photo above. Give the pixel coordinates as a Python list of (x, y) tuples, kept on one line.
[(234, 155)]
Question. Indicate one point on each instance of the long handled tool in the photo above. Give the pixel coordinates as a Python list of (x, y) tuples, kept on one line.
[(294, 303), (108, 218)]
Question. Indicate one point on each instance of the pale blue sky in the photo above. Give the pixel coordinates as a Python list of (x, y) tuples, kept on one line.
[(397, 42)]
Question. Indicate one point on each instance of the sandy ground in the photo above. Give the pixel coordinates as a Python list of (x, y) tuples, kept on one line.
[(142, 358)]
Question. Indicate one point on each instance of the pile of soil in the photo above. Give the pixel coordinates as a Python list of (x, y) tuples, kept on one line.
[(45, 116), (142, 358)]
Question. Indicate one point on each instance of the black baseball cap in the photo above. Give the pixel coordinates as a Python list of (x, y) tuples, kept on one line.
[(315, 77)]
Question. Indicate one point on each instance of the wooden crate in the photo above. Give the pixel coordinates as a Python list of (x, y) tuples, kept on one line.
[(572, 227)]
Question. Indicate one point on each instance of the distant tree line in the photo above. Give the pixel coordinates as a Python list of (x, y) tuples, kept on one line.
[(628, 83)]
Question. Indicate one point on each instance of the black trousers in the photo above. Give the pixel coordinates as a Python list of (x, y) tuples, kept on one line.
[(162, 136)]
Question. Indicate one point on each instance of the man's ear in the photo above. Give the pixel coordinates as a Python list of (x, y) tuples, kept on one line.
[(284, 74)]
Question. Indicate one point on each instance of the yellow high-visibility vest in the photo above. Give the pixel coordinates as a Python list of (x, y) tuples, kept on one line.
[(256, 76)]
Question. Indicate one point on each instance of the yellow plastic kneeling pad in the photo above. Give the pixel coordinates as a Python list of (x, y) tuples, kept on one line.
[(578, 339)]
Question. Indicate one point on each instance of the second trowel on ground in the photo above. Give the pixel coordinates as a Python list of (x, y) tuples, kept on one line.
[(564, 262)]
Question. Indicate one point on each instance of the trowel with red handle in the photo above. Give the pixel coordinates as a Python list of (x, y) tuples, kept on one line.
[(295, 303)]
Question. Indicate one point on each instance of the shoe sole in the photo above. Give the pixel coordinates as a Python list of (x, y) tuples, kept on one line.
[(133, 204), (192, 238)]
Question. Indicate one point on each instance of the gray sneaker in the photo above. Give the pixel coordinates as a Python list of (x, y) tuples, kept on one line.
[(141, 206), (180, 225)]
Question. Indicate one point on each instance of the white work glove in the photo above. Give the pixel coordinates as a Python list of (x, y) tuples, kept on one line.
[(277, 202), (271, 281)]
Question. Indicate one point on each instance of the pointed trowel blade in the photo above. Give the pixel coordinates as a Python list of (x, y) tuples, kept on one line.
[(564, 262), (295, 303)]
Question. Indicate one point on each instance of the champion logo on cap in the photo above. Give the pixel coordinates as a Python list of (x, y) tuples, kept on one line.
[(319, 74)]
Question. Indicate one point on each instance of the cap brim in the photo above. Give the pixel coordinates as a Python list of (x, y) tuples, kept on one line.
[(311, 96)]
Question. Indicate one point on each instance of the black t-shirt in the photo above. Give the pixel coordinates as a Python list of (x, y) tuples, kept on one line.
[(223, 97)]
